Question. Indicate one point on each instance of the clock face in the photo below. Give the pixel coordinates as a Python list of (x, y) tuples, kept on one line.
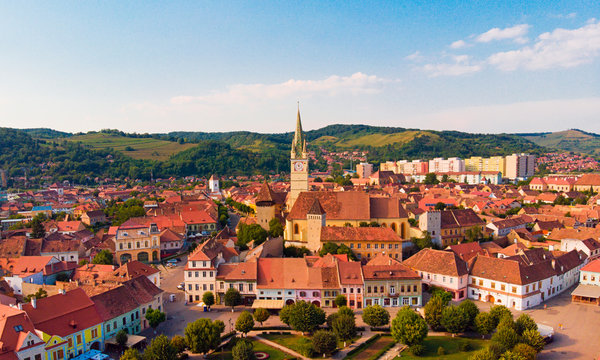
[(298, 165)]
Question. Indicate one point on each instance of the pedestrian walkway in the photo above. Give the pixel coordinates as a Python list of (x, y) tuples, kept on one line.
[(365, 335)]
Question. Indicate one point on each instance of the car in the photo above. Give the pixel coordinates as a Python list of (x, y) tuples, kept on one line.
[(181, 286)]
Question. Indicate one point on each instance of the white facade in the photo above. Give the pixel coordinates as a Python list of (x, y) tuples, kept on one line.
[(440, 165), (431, 221), (199, 277)]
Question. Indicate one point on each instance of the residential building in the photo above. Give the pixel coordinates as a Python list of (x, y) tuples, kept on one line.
[(440, 165), (364, 170), (391, 285), (519, 166), (588, 290), (137, 242), (502, 228), (93, 217), (443, 269), (351, 283), (18, 337), (240, 276)]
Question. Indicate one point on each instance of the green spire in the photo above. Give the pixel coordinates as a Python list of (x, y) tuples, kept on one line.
[(299, 144)]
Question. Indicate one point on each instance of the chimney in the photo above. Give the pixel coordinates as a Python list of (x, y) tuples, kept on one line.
[(553, 264), (20, 306), (62, 291), (34, 302)]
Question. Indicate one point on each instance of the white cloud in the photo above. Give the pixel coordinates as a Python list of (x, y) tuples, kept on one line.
[(559, 48), (416, 56), (516, 33), (529, 116), (461, 65), (565, 16), (356, 84), (458, 44)]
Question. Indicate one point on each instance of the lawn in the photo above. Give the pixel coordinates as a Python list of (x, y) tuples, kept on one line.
[(449, 344), (290, 341), (274, 354), (373, 350)]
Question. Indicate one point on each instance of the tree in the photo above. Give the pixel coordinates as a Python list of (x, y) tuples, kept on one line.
[(433, 312), (161, 348), (454, 319), (155, 317), (499, 311), (473, 233), (303, 316), (244, 323), (439, 206), (484, 354), (203, 335), (104, 257), (424, 242), (526, 351), (295, 251), (40, 294), (324, 342), (37, 227), (471, 310), (179, 343), (261, 315), (376, 316), (233, 298), (344, 327), (430, 179), (408, 327), (340, 300), (484, 324), (121, 338), (533, 338), (131, 354), (525, 322), (446, 296), (275, 228), (506, 337), (243, 350), (208, 298)]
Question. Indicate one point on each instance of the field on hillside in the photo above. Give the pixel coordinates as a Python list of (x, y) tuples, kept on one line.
[(569, 140), (143, 148), (376, 140)]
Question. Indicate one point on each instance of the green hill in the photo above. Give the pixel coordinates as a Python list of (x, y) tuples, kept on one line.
[(569, 140), (146, 148)]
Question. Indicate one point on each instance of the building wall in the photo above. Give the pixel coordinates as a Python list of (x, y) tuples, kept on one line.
[(354, 295), (198, 280), (394, 298)]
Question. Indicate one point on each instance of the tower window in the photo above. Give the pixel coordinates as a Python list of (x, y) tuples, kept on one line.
[(296, 228)]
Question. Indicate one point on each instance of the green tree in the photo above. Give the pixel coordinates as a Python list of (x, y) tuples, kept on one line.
[(446, 296), (261, 315), (244, 323), (498, 312), (433, 312), (40, 294), (275, 228), (295, 251), (243, 350), (208, 298), (484, 324), (506, 337), (408, 327), (430, 179), (473, 233), (440, 206), (103, 257), (155, 317), (344, 327), (454, 319), (424, 242), (471, 310), (131, 354), (340, 300), (233, 298), (161, 348), (376, 316), (247, 233), (37, 227), (303, 316), (526, 351), (324, 342), (484, 354), (203, 335), (533, 338), (121, 338), (525, 322), (179, 343), (509, 355)]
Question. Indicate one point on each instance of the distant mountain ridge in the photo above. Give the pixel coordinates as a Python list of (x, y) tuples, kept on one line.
[(574, 140)]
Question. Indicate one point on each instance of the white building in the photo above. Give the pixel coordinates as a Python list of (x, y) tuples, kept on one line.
[(440, 165)]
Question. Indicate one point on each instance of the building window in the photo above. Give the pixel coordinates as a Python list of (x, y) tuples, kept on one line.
[(296, 230), (474, 281), (414, 288), (358, 291), (493, 285), (204, 274), (211, 287), (351, 246), (368, 246), (376, 246), (358, 246), (503, 287), (241, 287), (94, 333), (250, 287), (513, 289)]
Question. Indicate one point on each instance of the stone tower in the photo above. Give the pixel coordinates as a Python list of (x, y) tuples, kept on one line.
[(299, 164), (315, 221)]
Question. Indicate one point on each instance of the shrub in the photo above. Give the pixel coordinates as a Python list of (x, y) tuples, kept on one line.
[(484, 354), (525, 322), (441, 351), (525, 351), (506, 337), (465, 346), (305, 347), (324, 342), (534, 339), (417, 349), (498, 312), (243, 350)]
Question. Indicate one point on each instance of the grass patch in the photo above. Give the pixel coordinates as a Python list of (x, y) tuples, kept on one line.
[(373, 349), (290, 341), (450, 345), (275, 354)]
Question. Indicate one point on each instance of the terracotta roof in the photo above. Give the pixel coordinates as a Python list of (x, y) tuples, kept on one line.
[(350, 273), (588, 180), (343, 205), (133, 269), (388, 272), (593, 266), (10, 339), (382, 259), (510, 271), (63, 314), (246, 271), (466, 251), (437, 262), (266, 196), (315, 208), (386, 208)]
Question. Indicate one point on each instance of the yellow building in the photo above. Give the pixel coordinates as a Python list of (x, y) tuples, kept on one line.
[(391, 285), (478, 163)]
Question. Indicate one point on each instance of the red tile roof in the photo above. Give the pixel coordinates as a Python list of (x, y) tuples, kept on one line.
[(388, 272), (347, 233), (593, 266), (437, 262)]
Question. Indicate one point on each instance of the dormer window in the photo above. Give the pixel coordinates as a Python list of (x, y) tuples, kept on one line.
[(18, 328)]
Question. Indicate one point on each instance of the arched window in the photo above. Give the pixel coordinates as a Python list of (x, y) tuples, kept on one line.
[(296, 228), (393, 227)]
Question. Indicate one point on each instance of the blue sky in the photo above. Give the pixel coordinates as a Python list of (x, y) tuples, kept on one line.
[(227, 65)]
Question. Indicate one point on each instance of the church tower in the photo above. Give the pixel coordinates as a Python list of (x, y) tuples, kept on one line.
[(299, 162)]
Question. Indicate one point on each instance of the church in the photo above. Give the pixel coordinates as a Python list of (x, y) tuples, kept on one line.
[(312, 213)]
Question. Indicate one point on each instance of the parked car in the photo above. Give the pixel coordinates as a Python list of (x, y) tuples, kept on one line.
[(181, 286)]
